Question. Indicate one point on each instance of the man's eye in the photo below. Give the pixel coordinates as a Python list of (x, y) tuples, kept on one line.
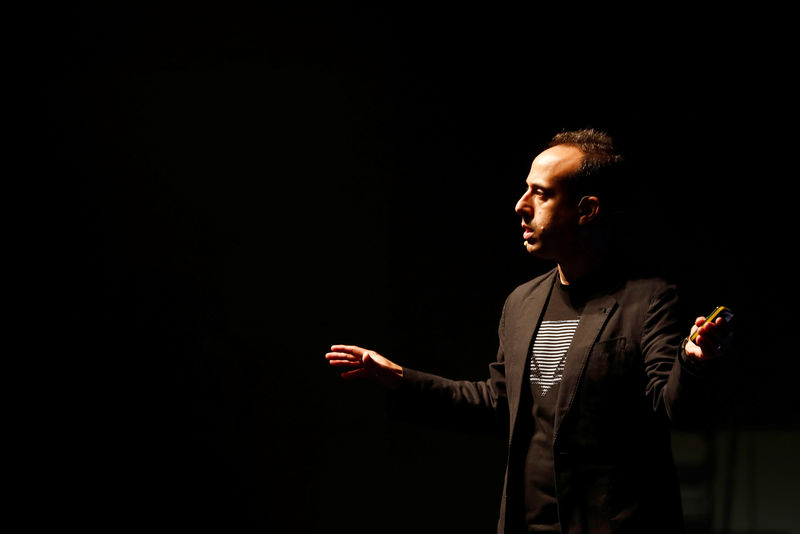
[(536, 192)]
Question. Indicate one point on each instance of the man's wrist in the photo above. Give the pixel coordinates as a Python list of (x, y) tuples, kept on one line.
[(692, 362)]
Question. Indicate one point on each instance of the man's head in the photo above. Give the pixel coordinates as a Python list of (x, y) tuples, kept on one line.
[(568, 191)]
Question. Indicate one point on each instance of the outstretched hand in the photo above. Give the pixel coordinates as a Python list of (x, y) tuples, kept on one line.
[(363, 363), (713, 341)]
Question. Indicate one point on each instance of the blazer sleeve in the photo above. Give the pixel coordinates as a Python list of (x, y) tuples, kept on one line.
[(675, 387), (476, 406)]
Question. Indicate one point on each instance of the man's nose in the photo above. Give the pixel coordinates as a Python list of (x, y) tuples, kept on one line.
[(523, 206)]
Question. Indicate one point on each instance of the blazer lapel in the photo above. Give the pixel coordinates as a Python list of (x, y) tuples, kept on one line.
[(530, 314), (595, 315)]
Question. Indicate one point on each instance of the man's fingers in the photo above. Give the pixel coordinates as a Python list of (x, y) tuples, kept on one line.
[(715, 332), (345, 363), (697, 324), (342, 356), (709, 334), (706, 345), (349, 349), (713, 339)]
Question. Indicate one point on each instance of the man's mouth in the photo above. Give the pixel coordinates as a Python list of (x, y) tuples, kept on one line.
[(527, 233)]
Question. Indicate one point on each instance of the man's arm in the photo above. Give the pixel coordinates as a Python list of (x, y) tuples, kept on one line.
[(472, 405), (676, 367)]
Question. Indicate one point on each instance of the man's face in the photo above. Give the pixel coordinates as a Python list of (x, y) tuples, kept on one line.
[(549, 214)]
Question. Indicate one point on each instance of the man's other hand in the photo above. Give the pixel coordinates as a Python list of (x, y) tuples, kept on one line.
[(363, 363), (713, 341)]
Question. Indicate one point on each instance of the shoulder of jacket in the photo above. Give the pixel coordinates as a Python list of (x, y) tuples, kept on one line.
[(648, 284), (645, 290)]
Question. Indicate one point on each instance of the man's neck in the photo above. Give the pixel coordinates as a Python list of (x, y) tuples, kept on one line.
[(574, 272), (570, 271)]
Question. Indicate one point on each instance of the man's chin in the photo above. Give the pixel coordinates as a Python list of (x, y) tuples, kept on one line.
[(535, 250)]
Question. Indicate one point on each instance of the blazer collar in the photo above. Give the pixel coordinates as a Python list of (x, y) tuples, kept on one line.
[(531, 313)]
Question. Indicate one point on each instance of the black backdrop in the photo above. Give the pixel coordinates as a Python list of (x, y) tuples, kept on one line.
[(240, 186)]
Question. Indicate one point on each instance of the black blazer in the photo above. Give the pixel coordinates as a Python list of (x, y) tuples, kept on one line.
[(622, 384)]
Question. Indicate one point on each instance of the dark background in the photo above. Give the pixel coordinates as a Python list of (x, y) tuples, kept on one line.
[(237, 187)]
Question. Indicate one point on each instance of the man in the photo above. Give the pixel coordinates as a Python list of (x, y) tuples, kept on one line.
[(592, 364)]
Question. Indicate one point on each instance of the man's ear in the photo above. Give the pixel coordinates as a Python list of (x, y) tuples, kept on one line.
[(588, 209)]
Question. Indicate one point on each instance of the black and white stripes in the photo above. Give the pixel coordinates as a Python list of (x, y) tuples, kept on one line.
[(549, 350)]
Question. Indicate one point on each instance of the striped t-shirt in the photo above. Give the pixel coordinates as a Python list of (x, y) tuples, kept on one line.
[(548, 355)]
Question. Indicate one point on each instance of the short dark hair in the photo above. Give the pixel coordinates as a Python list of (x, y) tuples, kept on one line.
[(602, 170)]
